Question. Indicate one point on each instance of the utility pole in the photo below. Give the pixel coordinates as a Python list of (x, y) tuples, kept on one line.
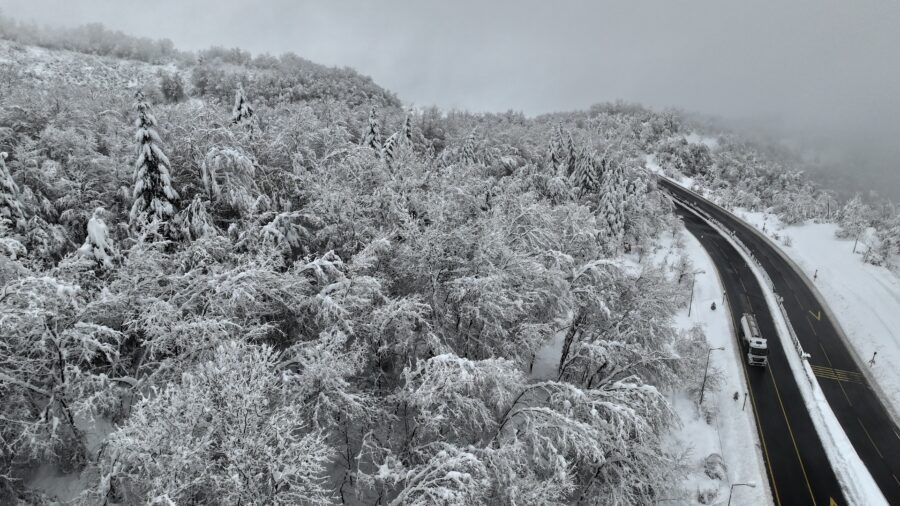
[(706, 371)]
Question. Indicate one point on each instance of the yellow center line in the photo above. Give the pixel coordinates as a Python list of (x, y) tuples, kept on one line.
[(839, 379), (828, 359), (762, 436), (837, 372), (870, 437), (791, 433)]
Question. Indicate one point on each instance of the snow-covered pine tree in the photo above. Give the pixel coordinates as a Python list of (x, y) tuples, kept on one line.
[(555, 149), (153, 194), (98, 245), (242, 109), (584, 175), (10, 207), (389, 150), (406, 131), (595, 171), (12, 213), (468, 151), (552, 155), (571, 156), (372, 138), (612, 207)]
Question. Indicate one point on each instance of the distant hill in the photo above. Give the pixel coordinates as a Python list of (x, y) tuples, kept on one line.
[(94, 56)]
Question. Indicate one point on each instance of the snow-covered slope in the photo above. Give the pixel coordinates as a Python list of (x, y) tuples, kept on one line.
[(45, 66)]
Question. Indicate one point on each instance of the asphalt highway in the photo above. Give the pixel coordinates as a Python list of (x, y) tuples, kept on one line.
[(858, 408), (798, 470)]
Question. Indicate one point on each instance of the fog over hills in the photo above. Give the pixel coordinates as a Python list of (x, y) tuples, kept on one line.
[(822, 73)]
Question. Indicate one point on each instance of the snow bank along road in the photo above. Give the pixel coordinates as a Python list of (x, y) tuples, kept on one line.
[(856, 406)]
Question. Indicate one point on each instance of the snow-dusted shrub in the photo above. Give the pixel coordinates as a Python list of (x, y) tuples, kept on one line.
[(707, 495), (714, 467), (228, 176)]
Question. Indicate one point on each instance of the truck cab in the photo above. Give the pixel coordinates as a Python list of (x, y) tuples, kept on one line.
[(757, 346)]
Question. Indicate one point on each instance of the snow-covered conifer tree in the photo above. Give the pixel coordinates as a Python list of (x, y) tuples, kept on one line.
[(10, 207), (406, 131), (389, 150), (612, 207), (153, 194), (595, 169), (372, 138), (556, 150), (468, 151), (584, 175), (98, 245), (571, 159), (242, 109)]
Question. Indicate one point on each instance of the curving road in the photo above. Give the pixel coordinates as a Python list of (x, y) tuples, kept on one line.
[(859, 410)]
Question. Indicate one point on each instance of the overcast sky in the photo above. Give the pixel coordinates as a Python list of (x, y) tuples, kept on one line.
[(828, 65)]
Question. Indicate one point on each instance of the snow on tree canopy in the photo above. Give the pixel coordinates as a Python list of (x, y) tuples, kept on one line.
[(97, 245), (242, 109), (153, 194), (372, 138), (10, 207)]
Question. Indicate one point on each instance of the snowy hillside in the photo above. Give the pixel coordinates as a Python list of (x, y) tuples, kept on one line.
[(50, 68), (261, 280)]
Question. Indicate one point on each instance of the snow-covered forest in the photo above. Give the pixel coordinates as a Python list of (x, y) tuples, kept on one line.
[(739, 172), (237, 279)]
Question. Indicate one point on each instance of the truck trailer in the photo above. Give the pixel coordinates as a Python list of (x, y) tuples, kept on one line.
[(757, 346)]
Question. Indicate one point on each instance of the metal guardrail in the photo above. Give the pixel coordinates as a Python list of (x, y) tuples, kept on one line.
[(718, 224)]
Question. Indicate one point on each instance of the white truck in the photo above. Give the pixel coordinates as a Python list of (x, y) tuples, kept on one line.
[(758, 347)]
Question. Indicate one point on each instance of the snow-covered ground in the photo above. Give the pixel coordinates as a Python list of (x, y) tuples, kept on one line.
[(731, 430), (864, 298), (65, 487)]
